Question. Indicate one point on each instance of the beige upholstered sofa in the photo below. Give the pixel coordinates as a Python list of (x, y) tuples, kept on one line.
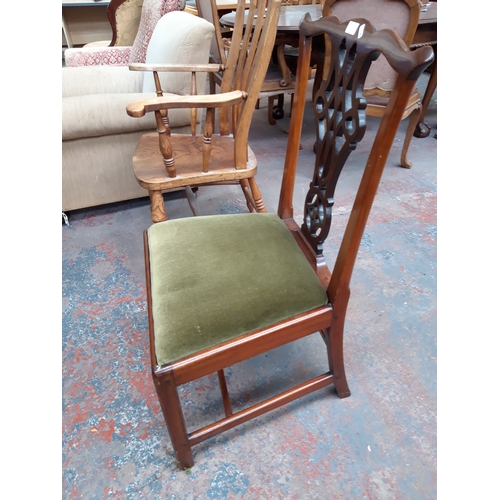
[(98, 137)]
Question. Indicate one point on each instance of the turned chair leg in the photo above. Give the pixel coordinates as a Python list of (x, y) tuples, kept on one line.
[(257, 196), (245, 187), (414, 118), (157, 207), (174, 419)]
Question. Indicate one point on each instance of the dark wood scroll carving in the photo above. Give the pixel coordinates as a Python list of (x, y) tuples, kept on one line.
[(339, 109)]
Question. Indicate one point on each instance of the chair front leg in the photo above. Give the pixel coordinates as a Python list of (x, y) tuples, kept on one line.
[(157, 207), (174, 418)]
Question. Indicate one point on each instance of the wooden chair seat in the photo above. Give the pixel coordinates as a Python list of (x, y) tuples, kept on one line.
[(274, 82), (149, 167), (377, 104), (206, 294)]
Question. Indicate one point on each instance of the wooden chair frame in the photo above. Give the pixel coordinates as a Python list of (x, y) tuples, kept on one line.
[(340, 117), (226, 157)]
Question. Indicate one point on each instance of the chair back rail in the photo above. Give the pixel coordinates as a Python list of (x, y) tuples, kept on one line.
[(402, 16)]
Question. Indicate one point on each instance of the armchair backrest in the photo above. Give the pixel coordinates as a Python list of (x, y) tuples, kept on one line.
[(124, 17), (402, 16), (339, 111)]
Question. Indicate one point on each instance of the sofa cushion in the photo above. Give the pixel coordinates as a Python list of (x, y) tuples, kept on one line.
[(96, 115), (95, 98), (100, 80)]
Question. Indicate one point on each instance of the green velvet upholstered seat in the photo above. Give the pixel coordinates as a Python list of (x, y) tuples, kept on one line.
[(215, 278)]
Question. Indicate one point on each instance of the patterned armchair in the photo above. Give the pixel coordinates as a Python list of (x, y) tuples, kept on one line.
[(117, 54)]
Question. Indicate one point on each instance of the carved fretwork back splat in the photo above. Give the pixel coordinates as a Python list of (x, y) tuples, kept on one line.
[(339, 109)]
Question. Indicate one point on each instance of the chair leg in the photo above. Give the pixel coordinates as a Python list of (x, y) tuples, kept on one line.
[(172, 413), (270, 106), (211, 87), (334, 337), (414, 118), (192, 200), (422, 129), (245, 187), (158, 213), (277, 113), (257, 196)]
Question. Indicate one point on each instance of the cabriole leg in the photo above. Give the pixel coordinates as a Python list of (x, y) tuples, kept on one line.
[(414, 118)]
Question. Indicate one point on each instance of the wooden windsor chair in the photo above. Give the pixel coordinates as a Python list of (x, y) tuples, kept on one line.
[(163, 161)]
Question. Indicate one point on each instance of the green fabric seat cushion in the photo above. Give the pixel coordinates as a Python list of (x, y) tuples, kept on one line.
[(215, 278)]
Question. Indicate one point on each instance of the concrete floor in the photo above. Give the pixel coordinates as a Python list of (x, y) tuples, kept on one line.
[(379, 443)]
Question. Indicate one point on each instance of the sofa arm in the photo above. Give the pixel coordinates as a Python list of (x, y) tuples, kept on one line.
[(97, 56)]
